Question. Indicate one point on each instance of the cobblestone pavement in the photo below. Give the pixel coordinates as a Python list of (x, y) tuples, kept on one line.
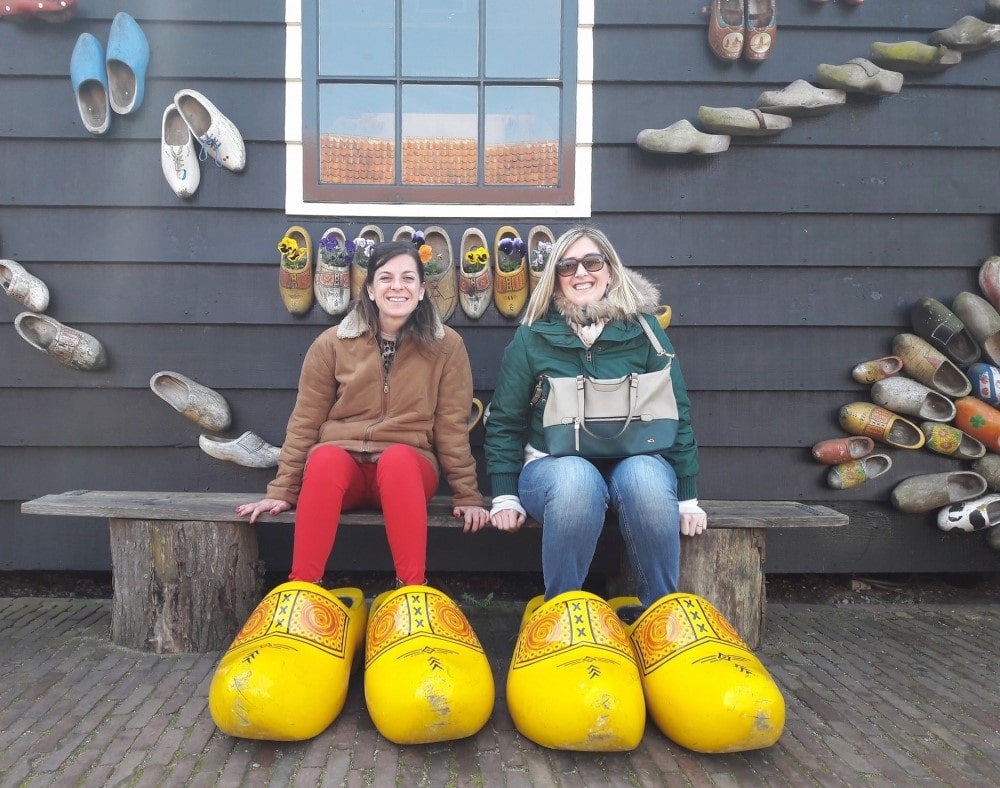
[(879, 695)]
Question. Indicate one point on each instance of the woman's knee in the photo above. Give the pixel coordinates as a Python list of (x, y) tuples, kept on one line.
[(328, 461)]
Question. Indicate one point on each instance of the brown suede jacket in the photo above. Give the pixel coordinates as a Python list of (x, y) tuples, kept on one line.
[(344, 399)]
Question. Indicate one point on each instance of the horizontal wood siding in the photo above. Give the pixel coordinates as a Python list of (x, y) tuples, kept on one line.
[(786, 260)]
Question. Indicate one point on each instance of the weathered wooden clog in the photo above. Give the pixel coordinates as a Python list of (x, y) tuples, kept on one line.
[(930, 366), (934, 490), (904, 395), (983, 322), (942, 329)]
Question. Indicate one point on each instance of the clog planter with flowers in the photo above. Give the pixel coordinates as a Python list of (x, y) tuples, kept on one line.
[(510, 285), (475, 280), (364, 244), (333, 272), (540, 242), (295, 276), (439, 270)]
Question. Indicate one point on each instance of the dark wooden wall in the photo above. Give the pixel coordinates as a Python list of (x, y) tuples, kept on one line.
[(786, 261)]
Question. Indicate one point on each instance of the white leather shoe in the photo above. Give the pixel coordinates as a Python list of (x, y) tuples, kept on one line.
[(249, 450), (217, 134), (28, 290), (177, 156)]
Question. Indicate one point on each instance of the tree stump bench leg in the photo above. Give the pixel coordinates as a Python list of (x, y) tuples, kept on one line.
[(182, 587), (726, 567)]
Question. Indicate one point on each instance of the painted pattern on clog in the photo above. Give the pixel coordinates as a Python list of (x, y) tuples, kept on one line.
[(985, 379)]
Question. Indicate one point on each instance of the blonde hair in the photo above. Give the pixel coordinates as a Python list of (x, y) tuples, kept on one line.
[(621, 292)]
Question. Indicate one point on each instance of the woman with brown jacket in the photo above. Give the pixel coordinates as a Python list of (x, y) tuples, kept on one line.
[(382, 407)]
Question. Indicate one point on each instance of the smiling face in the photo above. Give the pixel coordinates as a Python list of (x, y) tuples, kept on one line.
[(396, 291), (584, 287)]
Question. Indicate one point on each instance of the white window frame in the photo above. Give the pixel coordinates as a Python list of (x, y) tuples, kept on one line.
[(296, 205)]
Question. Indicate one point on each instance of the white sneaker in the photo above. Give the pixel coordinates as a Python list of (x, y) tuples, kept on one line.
[(249, 450), (217, 134), (177, 156)]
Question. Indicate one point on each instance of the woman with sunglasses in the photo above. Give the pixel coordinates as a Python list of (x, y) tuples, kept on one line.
[(583, 318), (383, 405)]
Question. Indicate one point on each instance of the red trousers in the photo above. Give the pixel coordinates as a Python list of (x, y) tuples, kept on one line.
[(400, 483)]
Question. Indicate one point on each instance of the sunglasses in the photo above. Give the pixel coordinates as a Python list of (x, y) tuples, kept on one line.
[(591, 262)]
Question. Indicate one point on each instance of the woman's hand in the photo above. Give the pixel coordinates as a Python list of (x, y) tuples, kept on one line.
[(272, 506), (694, 524), (476, 517), (508, 520)]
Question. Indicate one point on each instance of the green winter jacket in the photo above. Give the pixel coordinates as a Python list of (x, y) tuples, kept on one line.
[(549, 347)]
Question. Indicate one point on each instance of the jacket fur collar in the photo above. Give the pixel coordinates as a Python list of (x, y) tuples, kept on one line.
[(351, 327)]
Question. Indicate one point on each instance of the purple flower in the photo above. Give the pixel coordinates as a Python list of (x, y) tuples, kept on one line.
[(506, 245), (418, 238), (519, 248)]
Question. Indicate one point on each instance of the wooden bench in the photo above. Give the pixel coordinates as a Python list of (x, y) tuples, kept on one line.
[(187, 575)]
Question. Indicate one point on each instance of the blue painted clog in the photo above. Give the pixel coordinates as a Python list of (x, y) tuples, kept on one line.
[(127, 59), (90, 83), (985, 379)]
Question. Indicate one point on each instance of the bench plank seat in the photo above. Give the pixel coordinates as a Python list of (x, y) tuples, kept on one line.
[(187, 575)]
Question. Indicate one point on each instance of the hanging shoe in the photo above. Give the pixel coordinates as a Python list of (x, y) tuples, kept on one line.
[(295, 272), (332, 282), (90, 84), (475, 274), (664, 314), (989, 280), (427, 678), (202, 405), (877, 369), (440, 274), (727, 28), (285, 676), (29, 291), (363, 246), (68, 346), (942, 329), (968, 34), (510, 274), (951, 441), (800, 99), (988, 466), (217, 134), (980, 420), (910, 398), (975, 515), (404, 234), (127, 59), (249, 450), (865, 418), (914, 56), (476, 413), (982, 321), (53, 11), (681, 137), (540, 240), (761, 30), (853, 473), (859, 75), (934, 490), (840, 450), (705, 689), (985, 379), (738, 122), (923, 362), (573, 683), (178, 159)]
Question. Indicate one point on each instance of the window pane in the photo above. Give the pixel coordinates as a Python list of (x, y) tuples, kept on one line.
[(440, 134), (522, 136), (356, 38), (357, 133), (440, 38), (523, 38)]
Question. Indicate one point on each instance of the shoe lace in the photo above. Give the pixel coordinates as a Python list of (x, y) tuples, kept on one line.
[(208, 141)]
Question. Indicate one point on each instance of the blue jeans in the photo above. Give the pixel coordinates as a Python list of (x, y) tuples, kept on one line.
[(570, 495)]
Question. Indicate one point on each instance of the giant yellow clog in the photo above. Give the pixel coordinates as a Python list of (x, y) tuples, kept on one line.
[(705, 689), (427, 678), (573, 682), (285, 676)]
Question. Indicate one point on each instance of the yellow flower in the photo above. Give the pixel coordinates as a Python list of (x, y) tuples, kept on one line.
[(425, 253)]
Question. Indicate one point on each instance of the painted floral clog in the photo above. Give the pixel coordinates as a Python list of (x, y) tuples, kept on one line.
[(869, 372), (441, 276), (934, 490), (856, 472), (951, 441), (364, 245), (510, 275), (475, 274), (427, 678), (332, 281), (975, 515), (295, 271), (705, 689), (985, 379), (930, 366), (980, 420), (864, 418), (285, 676), (905, 395), (540, 240), (838, 450), (573, 682)]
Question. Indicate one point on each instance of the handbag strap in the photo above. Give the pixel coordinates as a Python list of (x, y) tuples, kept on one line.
[(652, 337)]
